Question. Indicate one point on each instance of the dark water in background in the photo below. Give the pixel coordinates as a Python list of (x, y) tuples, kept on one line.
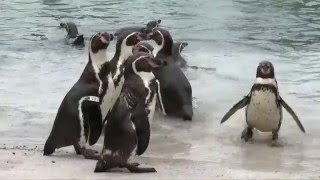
[(37, 68)]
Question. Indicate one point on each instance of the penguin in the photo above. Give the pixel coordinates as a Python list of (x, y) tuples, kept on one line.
[(73, 36), (144, 30), (142, 46), (115, 79), (127, 132), (263, 105), (78, 120), (176, 53), (175, 88)]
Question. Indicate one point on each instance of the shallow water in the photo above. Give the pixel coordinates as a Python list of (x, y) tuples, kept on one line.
[(37, 69)]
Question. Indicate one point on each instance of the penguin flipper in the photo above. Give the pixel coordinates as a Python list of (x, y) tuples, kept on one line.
[(293, 114), (92, 115), (242, 103), (139, 118)]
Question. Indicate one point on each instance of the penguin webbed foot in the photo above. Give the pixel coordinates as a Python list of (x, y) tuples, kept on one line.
[(90, 154), (135, 169), (133, 164), (247, 134), (274, 142), (87, 153)]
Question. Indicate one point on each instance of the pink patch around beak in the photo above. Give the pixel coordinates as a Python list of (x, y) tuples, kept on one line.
[(103, 40)]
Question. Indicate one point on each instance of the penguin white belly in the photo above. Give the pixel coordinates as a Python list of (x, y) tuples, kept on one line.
[(106, 101), (263, 112), (151, 107)]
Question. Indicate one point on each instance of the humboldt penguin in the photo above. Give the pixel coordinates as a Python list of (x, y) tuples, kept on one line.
[(115, 79), (263, 105), (128, 127), (78, 120), (175, 88), (73, 36)]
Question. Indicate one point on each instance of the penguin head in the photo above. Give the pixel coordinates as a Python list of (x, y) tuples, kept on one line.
[(265, 70), (140, 62), (100, 41), (157, 35), (142, 46), (130, 38), (152, 24), (182, 46), (145, 62), (63, 25), (162, 38)]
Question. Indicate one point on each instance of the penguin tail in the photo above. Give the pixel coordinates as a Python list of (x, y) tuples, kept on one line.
[(187, 112), (49, 147)]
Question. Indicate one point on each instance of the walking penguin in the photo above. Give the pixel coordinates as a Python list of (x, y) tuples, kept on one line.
[(263, 105)]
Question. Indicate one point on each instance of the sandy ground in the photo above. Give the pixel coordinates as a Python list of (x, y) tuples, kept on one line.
[(177, 151)]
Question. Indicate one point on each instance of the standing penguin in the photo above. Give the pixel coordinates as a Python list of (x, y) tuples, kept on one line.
[(115, 78), (175, 88), (176, 53), (73, 35), (144, 30), (263, 105), (79, 119), (128, 130)]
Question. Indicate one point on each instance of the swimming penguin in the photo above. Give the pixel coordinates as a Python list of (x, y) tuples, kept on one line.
[(79, 119), (263, 105), (127, 131), (142, 46), (124, 46), (176, 53), (144, 30), (73, 35), (175, 88)]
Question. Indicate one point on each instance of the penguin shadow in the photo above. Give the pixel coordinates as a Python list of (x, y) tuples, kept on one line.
[(259, 158), (258, 155)]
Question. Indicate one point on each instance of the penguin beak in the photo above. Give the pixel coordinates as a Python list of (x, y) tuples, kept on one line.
[(105, 37), (140, 37), (151, 62), (265, 69), (149, 35)]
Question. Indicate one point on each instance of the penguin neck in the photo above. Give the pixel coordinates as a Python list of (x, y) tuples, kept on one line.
[(146, 77), (165, 47), (176, 51), (122, 53), (266, 81), (98, 59)]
